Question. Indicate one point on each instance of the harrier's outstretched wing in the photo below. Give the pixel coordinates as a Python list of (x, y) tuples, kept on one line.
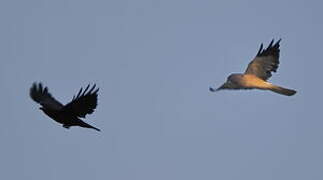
[(83, 103), (266, 61), (43, 97)]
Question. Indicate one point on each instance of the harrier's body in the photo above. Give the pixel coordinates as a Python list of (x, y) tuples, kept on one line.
[(69, 115), (258, 72)]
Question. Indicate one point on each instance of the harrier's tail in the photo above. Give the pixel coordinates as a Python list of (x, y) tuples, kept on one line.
[(283, 91)]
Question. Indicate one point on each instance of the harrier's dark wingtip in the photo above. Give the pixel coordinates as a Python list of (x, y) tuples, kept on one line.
[(277, 43), (271, 43), (260, 49)]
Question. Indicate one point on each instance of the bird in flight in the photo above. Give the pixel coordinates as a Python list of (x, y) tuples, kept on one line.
[(258, 72), (69, 115)]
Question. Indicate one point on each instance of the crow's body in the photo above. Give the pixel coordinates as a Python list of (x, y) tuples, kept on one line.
[(69, 115)]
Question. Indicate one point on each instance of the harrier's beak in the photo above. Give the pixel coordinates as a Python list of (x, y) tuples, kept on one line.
[(224, 86), (221, 87)]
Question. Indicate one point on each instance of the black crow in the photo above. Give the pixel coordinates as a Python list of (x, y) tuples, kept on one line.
[(69, 115)]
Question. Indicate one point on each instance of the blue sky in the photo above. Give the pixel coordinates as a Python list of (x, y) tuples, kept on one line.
[(154, 61)]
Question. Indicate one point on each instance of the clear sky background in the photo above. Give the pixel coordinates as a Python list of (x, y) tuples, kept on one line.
[(154, 62)]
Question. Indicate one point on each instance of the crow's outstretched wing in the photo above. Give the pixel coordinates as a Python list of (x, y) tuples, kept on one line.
[(266, 61), (43, 97), (84, 102)]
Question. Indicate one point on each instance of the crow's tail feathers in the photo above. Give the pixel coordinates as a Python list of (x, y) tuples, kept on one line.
[(83, 124)]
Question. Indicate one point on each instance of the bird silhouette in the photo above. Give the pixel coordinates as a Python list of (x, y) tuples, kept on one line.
[(69, 115), (258, 72)]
